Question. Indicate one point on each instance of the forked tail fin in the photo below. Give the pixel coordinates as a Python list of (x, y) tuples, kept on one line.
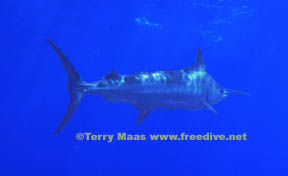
[(73, 83)]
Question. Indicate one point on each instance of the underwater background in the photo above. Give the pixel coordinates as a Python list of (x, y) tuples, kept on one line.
[(244, 44)]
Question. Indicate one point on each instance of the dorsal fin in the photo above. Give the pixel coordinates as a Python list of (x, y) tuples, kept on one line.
[(111, 75), (199, 60)]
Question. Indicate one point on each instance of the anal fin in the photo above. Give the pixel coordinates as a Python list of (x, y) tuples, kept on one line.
[(142, 114)]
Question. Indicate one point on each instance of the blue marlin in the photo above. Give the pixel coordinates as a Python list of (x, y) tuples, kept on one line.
[(190, 88)]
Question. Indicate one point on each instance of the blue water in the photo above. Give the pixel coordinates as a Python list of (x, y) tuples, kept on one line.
[(244, 44)]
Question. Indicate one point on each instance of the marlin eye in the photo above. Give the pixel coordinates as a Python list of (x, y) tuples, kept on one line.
[(222, 91)]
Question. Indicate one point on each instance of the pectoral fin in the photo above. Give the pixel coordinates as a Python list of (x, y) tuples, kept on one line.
[(142, 114), (210, 107)]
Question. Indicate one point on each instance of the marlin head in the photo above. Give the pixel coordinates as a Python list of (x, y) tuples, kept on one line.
[(216, 93), (212, 92)]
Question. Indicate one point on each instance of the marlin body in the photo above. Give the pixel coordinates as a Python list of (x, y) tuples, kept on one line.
[(189, 88)]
